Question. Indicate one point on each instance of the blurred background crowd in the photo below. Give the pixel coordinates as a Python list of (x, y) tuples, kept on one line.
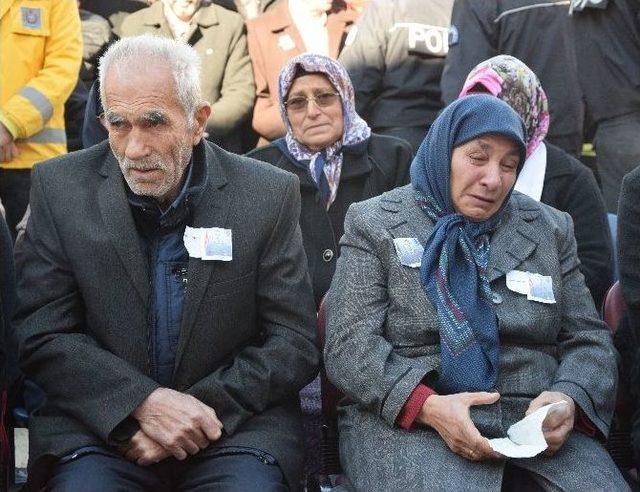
[(406, 60)]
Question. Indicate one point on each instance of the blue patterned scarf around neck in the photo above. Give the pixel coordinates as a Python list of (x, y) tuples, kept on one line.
[(454, 264)]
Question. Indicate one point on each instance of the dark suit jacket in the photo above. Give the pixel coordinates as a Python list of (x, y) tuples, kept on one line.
[(226, 80), (273, 40), (247, 339), (383, 166)]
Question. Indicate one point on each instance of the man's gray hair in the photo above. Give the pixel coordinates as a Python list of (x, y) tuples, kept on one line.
[(135, 53)]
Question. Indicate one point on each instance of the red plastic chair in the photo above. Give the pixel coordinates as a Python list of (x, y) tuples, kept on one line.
[(614, 307)]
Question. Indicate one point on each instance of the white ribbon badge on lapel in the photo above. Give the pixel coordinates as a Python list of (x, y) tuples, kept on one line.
[(209, 243), (536, 287), (409, 251)]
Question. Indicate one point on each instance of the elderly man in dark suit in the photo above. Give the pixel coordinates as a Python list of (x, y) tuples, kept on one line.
[(163, 369)]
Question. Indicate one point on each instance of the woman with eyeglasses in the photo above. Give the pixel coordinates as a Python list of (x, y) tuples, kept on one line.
[(334, 154)]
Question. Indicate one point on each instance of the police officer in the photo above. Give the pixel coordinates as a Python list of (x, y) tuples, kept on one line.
[(395, 57), (607, 35), (538, 32)]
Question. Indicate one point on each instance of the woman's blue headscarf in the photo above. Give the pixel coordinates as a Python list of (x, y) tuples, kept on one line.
[(454, 264)]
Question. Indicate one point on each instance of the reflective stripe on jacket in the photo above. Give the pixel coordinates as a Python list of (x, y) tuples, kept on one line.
[(40, 55)]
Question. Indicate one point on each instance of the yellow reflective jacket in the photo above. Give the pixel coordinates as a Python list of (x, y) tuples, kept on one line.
[(40, 56)]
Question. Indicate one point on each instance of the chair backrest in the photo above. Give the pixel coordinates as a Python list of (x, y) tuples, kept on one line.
[(6, 464), (330, 398), (619, 441), (613, 307), (330, 394), (612, 219)]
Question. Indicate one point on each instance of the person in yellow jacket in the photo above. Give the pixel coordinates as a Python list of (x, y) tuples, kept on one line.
[(40, 56)]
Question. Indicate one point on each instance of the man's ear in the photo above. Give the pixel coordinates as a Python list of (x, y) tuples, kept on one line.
[(201, 116)]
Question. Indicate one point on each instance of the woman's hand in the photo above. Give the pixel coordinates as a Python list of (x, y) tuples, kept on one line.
[(558, 423), (449, 416)]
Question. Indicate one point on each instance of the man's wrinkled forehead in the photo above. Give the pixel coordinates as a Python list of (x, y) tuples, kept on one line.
[(131, 87)]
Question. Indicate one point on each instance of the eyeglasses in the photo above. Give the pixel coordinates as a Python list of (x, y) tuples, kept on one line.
[(300, 103)]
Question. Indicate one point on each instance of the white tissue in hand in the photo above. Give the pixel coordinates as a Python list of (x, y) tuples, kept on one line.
[(526, 438)]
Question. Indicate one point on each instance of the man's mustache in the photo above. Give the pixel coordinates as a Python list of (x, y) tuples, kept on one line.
[(141, 164)]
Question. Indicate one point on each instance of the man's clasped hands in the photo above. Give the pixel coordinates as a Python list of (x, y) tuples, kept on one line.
[(171, 424)]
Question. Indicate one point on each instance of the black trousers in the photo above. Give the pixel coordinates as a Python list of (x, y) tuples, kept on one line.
[(230, 469), (519, 480), (14, 193)]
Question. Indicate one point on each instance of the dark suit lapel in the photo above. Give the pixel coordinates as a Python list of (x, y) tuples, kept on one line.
[(118, 221), (212, 211), (514, 240)]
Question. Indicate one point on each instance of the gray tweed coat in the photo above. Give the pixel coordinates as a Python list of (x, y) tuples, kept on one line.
[(382, 340)]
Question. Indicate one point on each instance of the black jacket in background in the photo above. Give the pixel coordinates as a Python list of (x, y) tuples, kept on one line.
[(628, 334), (74, 111), (538, 32), (571, 187), (93, 132), (395, 59), (629, 245), (608, 51), (384, 166)]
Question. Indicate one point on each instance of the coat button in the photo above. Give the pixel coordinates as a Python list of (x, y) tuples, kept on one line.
[(327, 255), (496, 298)]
